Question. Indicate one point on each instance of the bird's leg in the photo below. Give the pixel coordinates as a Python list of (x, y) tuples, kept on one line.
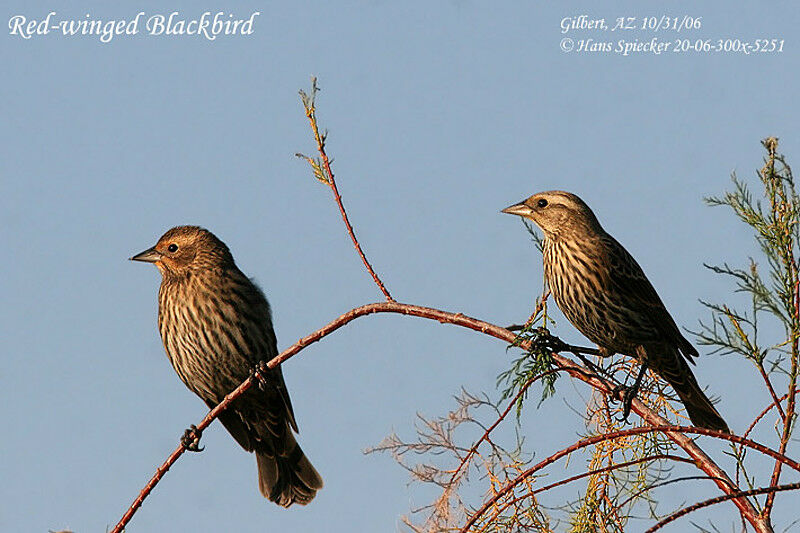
[(191, 439), (629, 393), (556, 345)]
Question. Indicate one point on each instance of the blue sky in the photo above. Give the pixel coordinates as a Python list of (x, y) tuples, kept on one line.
[(440, 114)]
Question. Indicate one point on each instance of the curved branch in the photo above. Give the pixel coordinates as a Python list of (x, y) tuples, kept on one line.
[(668, 429), (703, 461), (611, 468), (600, 471), (659, 485), (175, 455), (723, 498)]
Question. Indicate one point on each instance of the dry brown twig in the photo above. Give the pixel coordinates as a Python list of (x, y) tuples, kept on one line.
[(668, 429)]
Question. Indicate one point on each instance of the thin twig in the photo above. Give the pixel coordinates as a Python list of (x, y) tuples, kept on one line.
[(500, 418), (657, 457), (723, 498), (764, 413), (660, 484), (734, 320), (668, 429), (308, 103), (605, 469), (771, 389), (175, 455)]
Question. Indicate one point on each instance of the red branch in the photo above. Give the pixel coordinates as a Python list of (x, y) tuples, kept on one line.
[(788, 417), (668, 429), (752, 426), (610, 468), (765, 411), (658, 457), (713, 501), (173, 457), (770, 389), (703, 461)]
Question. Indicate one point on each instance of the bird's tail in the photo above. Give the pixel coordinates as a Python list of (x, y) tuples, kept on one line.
[(287, 478), (699, 408)]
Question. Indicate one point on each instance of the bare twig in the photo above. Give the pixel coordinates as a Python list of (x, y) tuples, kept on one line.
[(610, 468), (500, 418), (667, 429), (657, 457), (323, 172), (723, 498), (775, 401), (764, 413), (175, 455)]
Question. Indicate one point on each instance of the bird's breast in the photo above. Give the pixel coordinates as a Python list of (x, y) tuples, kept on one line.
[(578, 285), (205, 339)]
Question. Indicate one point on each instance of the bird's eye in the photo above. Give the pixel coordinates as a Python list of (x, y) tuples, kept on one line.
[(172, 248), (542, 203)]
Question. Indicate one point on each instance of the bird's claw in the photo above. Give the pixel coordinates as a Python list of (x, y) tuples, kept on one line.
[(550, 342), (628, 395), (261, 378), (191, 439)]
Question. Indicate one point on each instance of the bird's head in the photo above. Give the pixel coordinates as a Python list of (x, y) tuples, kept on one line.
[(557, 213), (186, 248)]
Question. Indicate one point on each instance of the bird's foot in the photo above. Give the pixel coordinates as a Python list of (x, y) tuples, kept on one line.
[(550, 342), (625, 395), (191, 439), (629, 393), (260, 376)]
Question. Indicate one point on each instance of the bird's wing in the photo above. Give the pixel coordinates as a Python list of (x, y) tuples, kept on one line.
[(281, 385), (233, 423), (268, 347), (628, 278)]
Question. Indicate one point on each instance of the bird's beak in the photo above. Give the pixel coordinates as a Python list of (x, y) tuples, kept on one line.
[(148, 256), (520, 209)]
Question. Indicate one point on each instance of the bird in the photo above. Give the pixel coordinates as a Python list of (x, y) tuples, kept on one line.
[(605, 294), (216, 326)]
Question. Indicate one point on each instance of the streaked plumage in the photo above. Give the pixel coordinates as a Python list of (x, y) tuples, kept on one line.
[(216, 325), (604, 293)]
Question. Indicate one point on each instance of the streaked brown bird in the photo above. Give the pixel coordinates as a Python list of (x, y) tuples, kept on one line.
[(216, 325), (604, 293)]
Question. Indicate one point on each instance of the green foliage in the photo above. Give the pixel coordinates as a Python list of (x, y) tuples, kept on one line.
[(774, 219), (318, 165), (537, 360), (773, 292)]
